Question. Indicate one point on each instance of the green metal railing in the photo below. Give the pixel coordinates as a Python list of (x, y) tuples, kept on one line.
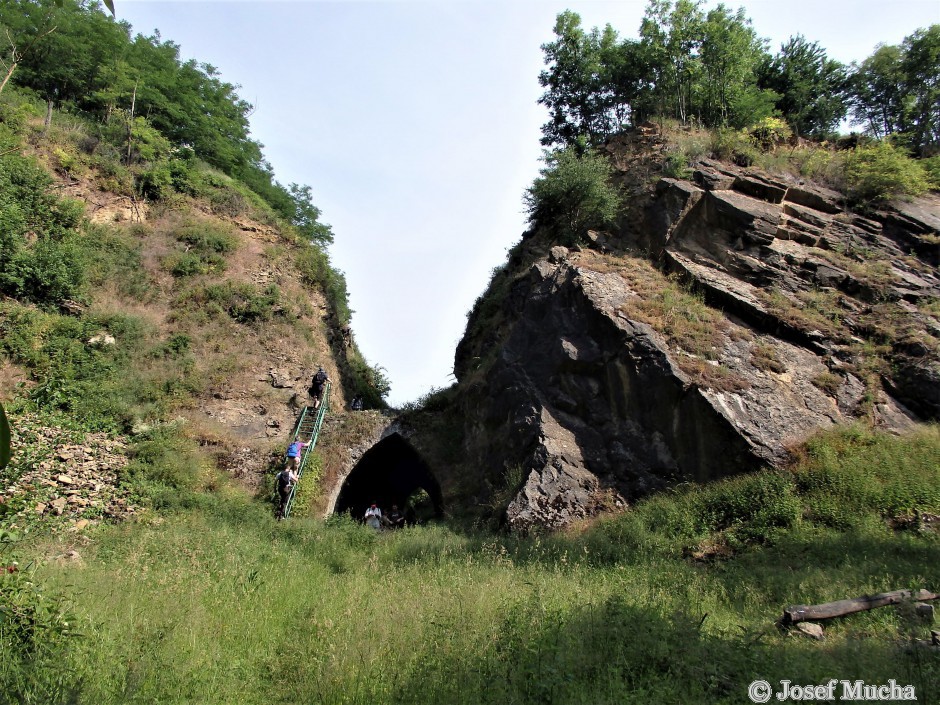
[(307, 430)]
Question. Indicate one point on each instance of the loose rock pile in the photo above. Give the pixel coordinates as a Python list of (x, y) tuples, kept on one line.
[(56, 473)]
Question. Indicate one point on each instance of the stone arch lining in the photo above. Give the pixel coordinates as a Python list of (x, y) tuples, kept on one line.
[(387, 473)]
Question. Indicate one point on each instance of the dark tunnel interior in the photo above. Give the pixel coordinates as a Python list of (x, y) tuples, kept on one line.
[(390, 472)]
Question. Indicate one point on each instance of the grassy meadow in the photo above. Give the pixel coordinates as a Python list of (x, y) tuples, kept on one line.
[(672, 602)]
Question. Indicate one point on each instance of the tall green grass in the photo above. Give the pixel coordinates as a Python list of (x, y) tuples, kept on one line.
[(220, 604)]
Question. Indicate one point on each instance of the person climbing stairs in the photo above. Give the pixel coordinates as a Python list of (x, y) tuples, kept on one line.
[(307, 431)]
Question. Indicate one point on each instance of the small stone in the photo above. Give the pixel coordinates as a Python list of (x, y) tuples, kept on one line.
[(814, 631), (81, 524), (924, 612), (40, 508), (64, 479)]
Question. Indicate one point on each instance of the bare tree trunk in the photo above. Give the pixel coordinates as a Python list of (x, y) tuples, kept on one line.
[(7, 77), (799, 613), (130, 124), (17, 56)]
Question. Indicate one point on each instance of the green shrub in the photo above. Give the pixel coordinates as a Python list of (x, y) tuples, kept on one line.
[(241, 301), (208, 237), (733, 146), (165, 466), (188, 264), (676, 165), (316, 270), (573, 195), (932, 167), (881, 172), (36, 629), (769, 132)]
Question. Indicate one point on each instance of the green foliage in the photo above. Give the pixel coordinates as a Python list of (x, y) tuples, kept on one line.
[(52, 266), (932, 167), (205, 243), (369, 381), (36, 629), (242, 301), (686, 65), (92, 66), (769, 132), (676, 165), (671, 601), (734, 146), (849, 475), (572, 195), (208, 237), (881, 172), (164, 463), (315, 270), (101, 386), (895, 91), (306, 217), (812, 87)]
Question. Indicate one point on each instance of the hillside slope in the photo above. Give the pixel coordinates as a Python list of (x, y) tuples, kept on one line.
[(174, 337)]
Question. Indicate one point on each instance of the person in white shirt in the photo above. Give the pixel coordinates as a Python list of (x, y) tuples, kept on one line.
[(373, 517)]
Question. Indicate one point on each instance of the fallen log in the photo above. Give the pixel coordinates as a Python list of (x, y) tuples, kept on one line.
[(839, 608)]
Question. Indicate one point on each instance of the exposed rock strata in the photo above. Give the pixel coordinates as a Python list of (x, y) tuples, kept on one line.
[(599, 408)]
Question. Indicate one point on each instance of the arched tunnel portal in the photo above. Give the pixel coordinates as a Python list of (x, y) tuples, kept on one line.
[(390, 472)]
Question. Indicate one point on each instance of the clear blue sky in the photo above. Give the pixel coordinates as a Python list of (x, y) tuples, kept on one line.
[(417, 127)]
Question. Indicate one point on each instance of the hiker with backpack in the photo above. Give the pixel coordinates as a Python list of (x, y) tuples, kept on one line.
[(284, 482), (294, 452), (317, 385)]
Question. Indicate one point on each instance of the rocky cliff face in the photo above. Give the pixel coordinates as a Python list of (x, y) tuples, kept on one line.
[(731, 315)]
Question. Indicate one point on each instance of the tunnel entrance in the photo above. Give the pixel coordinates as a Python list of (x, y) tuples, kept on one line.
[(391, 472)]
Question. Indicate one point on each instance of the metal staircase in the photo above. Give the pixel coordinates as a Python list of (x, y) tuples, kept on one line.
[(307, 430)]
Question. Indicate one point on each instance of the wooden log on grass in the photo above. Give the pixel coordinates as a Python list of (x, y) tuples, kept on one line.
[(839, 608)]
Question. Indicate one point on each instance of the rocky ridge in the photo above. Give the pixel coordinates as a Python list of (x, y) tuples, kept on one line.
[(614, 383)]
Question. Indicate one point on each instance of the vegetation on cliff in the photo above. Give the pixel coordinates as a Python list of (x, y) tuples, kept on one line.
[(120, 324)]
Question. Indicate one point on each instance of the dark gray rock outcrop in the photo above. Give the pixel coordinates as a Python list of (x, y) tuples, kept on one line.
[(828, 316)]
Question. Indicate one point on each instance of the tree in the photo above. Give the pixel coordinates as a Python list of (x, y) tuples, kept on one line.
[(22, 35), (671, 36), (730, 51), (812, 87), (877, 91), (921, 66), (572, 195), (571, 82), (306, 217)]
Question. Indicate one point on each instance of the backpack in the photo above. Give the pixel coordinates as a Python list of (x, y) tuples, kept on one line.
[(319, 378), (283, 480)]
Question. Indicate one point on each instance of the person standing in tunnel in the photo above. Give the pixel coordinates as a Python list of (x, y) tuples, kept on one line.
[(395, 518), (373, 517)]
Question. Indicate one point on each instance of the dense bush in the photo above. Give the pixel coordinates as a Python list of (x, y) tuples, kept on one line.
[(881, 172), (242, 301), (572, 195), (313, 263), (36, 629)]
